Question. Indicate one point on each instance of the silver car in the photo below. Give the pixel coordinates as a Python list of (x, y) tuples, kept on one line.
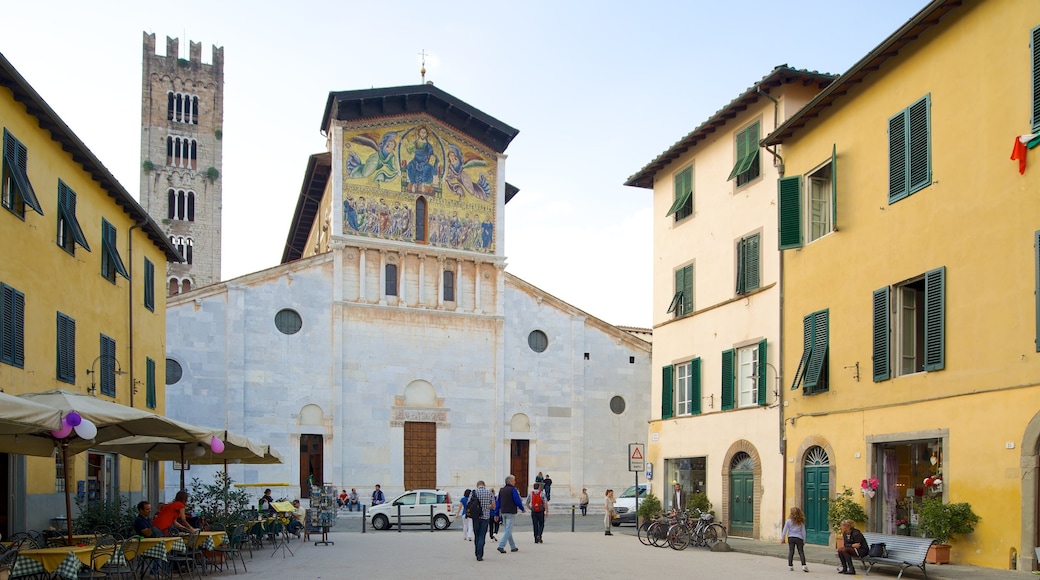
[(415, 509)]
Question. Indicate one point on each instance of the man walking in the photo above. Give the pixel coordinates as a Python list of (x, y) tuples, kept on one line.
[(508, 503), (539, 506), (480, 525)]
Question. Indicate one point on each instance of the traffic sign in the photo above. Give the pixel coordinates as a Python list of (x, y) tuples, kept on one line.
[(636, 457)]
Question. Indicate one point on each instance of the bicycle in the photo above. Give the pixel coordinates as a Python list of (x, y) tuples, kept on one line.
[(702, 533), (655, 533)]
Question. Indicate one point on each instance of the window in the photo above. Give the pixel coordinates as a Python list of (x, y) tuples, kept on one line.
[(538, 341), (682, 200), (108, 366), (182, 108), (16, 191), (910, 150), (69, 232), (820, 204), (174, 372), (449, 286), (66, 349), (191, 206), (111, 263), (420, 219), (149, 285), (391, 279), (59, 473), (823, 199), (617, 405), (746, 169), (812, 368), (181, 152), (688, 388), (909, 327), (748, 264), (682, 300), (744, 376), (189, 248), (288, 321), (149, 383), (12, 326), (180, 205)]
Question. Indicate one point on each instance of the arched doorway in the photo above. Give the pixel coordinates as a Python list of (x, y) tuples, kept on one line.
[(816, 488), (742, 494), (312, 449)]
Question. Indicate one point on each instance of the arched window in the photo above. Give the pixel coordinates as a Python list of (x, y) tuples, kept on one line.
[(169, 150), (180, 205), (194, 111), (391, 279), (194, 146), (170, 106), (420, 219), (189, 244), (180, 246), (449, 286), (174, 287), (191, 206), (171, 211), (186, 285), (181, 152)]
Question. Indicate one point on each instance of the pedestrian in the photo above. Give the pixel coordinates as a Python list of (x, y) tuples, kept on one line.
[(794, 529), (679, 499), (341, 499), (609, 515), (377, 496), (467, 522), (854, 545), (480, 525), (539, 478), (508, 504), (495, 521), (583, 503), (547, 487), (539, 506)]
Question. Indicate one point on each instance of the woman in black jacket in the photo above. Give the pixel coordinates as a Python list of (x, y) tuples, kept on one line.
[(854, 546)]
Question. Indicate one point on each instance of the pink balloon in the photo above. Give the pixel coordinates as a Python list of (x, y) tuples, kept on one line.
[(217, 446), (63, 432), (73, 419)]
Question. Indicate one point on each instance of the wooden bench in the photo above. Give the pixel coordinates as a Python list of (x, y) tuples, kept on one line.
[(903, 552)]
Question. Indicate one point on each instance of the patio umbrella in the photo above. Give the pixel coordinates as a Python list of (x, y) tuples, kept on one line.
[(96, 420), (18, 417)]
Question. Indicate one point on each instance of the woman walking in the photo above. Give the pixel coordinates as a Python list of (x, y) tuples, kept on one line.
[(467, 522), (609, 515)]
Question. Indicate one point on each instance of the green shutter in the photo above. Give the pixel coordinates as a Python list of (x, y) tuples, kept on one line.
[(667, 396), (1034, 45), (149, 369), (881, 350), (741, 248), (149, 285), (683, 191), (66, 349), (807, 346), (12, 339), (695, 386), (763, 373), (727, 379), (67, 211), (108, 366), (919, 144), (1036, 286), (790, 211), (742, 152), (934, 315), (816, 370), (17, 157), (109, 250), (834, 187), (751, 262), (687, 288), (897, 163)]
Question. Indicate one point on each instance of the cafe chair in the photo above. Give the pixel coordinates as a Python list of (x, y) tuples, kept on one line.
[(185, 562), (7, 560), (125, 567), (234, 540), (102, 554)]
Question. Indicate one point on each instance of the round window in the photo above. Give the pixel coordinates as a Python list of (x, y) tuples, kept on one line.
[(288, 321), (174, 372), (617, 405), (537, 341)]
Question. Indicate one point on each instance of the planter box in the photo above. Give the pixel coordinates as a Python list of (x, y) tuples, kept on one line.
[(938, 554)]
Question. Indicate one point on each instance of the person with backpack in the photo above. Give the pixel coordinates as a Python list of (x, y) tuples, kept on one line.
[(479, 507), (467, 522), (539, 506)]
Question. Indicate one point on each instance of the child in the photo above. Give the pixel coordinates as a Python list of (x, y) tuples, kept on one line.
[(794, 529)]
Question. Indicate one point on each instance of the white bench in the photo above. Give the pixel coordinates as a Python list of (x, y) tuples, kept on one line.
[(902, 551)]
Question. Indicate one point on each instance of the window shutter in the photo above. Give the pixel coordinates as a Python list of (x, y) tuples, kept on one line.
[(7, 323), (919, 144), (667, 397), (67, 209), (727, 379), (881, 350), (149, 285), (149, 366), (751, 263), (807, 346), (1036, 287), (682, 193), (763, 373), (897, 186), (790, 211), (741, 248), (816, 370), (742, 152), (19, 328), (834, 187), (108, 366), (66, 349), (688, 289), (934, 314), (1034, 46), (695, 386)]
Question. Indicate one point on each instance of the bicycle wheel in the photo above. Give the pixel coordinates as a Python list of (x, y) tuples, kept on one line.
[(714, 534), (658, 534), (679, 537), (642, 533)]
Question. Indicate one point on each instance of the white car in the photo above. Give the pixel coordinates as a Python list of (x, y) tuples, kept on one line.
[(625, 505), (414, 510)]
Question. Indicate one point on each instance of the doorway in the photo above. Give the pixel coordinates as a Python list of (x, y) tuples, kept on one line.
[(312, 458), (101, 477), (742, 495), (519, 454), (816, 486), (420, 455)]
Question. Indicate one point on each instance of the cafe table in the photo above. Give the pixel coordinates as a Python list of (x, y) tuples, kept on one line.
[(77, 539), (62, 562), (210, 540), (157, 548)]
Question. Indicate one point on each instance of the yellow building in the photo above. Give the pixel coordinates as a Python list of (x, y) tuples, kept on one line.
[(910, 274), (716, 417), (82, 309)]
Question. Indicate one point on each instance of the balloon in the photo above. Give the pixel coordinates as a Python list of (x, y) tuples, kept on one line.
[(73, 419), (86, 430), (217, 445), (63, 432), (199, 450)]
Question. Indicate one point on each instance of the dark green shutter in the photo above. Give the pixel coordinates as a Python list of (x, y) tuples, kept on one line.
[(695, 386), (1034, 45), (66, 349), (741, 248), (687, 288), (12, 311), (727, 379), (149, 369), (751, 262), (67, 211), (881, 349), (682, 193), (108, 366), (816, 370), (742, 151), (763, 373), (1036, 287), (667, 396), (934, 315), (149, 285), (17, 157), (919, 144), (807, 346), (790, 211), (897, 188), (834, 187), (110, 251)]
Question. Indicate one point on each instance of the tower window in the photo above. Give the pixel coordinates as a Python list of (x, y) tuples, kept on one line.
[(182, 108), (391, 279), (181, 152)]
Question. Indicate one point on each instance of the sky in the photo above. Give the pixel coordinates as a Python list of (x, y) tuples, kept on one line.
[(596, 89)]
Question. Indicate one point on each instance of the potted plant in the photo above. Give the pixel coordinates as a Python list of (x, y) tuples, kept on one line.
[(649, 508), (700, 501), (844, 507), (942, 521)]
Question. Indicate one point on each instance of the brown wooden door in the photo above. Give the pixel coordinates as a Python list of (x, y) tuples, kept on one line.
[(518, 466), (420, 455), (312, 458)]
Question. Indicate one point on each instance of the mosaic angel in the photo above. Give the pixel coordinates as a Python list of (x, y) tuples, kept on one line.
[(459, 182), (381, 165)]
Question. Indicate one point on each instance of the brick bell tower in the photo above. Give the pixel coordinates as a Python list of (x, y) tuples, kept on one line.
[(182, 115)]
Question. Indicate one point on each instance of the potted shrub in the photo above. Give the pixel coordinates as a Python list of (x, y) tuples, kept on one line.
[(844, 507), (942, 521), (649, 509), (700, 501)]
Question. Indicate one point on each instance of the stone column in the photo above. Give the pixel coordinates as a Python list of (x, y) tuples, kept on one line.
[(422, 280), (476, 287), (361, 274), (382, 277), (440, 281)]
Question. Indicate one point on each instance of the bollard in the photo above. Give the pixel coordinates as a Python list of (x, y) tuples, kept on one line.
[(431, 517), (398, 518), (364, 519), (573, 507)]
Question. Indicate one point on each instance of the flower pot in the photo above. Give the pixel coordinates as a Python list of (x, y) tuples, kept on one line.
[(938, 554)]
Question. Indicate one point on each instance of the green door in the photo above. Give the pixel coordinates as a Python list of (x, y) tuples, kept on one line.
[(742, 495), (817, 485)]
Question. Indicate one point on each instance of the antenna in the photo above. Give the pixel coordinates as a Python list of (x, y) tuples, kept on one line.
[(422, 71)]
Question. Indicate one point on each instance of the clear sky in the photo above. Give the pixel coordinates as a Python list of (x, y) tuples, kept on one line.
[(596, 89)]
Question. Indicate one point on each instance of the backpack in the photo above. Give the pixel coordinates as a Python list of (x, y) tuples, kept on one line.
[(878, 550), (474, 510), (536, 502)]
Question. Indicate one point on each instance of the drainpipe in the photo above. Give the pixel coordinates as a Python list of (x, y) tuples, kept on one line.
[(778, 161), (130, 258)]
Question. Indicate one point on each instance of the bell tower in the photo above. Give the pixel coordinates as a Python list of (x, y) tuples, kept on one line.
[(182, 115)]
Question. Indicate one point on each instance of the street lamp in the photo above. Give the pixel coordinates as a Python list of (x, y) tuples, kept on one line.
[(776, 394), (92, 371)]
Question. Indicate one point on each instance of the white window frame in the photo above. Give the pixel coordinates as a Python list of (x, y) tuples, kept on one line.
[(683, 405), (824, 183), (908, 327), (747, 376)]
